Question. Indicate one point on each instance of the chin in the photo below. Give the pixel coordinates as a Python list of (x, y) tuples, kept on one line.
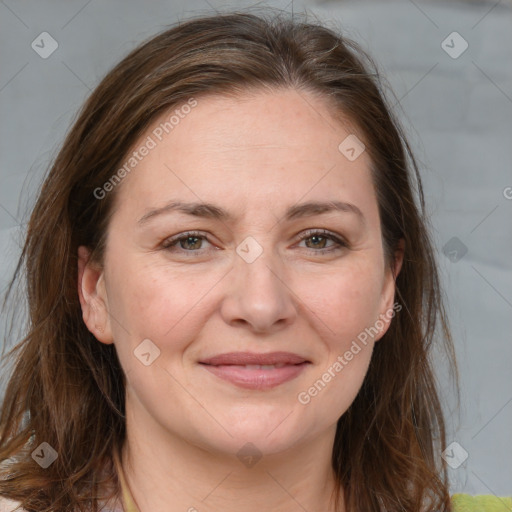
[(261, 435), (252, 446)]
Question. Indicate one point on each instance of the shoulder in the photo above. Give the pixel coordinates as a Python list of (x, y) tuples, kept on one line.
[(7, 505), (480, 503)]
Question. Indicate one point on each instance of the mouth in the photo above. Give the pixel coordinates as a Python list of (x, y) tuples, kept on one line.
[(256, 371)]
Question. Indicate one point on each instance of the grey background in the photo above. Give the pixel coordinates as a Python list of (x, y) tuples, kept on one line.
[(457, 112)]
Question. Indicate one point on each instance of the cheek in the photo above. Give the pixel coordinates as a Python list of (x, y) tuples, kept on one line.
[(348, 316), (331, 393), (150, 297), (158, 303), (344, 302), (349, 309)]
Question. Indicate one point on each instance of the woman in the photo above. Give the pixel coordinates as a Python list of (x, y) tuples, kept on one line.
[(232, 291)]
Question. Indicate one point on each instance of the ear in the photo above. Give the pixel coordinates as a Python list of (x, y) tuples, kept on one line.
[(399, 258), (93, 297), (387, 310)]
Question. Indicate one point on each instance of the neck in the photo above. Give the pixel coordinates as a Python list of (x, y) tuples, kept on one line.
[(165, 472)]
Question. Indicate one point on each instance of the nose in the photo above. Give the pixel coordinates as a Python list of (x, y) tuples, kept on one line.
[(259, 294)]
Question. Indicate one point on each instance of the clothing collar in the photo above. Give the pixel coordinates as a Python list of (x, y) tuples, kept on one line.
[(128, 501)]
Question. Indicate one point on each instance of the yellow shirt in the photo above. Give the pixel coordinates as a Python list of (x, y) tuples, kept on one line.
[(484, 503), (460, 502)]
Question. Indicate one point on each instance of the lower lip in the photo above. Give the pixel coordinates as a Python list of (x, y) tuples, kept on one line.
[(256, 378)]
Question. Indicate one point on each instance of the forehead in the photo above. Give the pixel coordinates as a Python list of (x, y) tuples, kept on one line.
[(257, 120), (259, 147)]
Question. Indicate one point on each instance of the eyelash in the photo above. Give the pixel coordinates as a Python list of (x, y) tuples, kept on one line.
[(170, 243)]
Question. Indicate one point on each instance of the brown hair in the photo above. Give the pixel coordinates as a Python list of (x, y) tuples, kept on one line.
[(67, 389)]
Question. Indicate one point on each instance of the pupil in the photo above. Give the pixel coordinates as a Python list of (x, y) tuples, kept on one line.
[(317, 238), (187, 240)]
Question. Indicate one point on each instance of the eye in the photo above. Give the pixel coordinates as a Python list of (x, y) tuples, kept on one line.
[(319, 237), (191, 242), (188, 242)]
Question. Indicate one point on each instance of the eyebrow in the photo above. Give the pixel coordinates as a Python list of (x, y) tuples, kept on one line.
[(211, 211)]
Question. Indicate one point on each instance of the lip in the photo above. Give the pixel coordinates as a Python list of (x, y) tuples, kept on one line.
[(233, 367), (243, 358)]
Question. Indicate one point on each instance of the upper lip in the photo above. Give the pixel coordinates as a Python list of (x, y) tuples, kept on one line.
[(246, 358)]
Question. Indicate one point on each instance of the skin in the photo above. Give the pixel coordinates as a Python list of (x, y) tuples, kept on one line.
[(254, 156)]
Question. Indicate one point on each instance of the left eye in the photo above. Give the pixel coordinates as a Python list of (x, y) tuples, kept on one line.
[(191, 242), (323, 235)]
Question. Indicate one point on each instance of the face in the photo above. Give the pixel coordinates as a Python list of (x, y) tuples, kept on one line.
[(259, 273)]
